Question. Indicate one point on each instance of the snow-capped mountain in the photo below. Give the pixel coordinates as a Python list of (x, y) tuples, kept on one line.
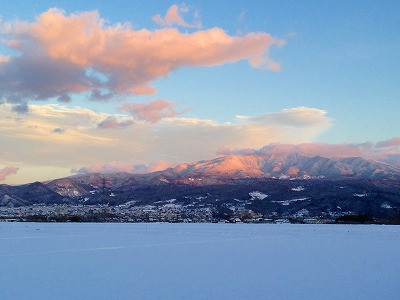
[(222, 179), (67, 187), (284, 166)]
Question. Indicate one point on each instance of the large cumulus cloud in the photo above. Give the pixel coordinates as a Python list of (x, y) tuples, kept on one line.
[(82, 53)]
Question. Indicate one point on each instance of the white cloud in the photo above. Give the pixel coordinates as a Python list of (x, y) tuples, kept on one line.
[(31, 141)]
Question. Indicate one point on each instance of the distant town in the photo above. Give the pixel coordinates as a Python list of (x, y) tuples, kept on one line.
[(171, 213)]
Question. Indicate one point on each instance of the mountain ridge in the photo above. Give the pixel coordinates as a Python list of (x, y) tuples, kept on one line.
[(291, 165), (235, 172)]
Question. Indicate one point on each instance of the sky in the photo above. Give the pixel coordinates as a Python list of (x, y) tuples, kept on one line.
[(128, 86)]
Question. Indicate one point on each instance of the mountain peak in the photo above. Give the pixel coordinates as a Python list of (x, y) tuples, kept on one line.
[(290, 165)]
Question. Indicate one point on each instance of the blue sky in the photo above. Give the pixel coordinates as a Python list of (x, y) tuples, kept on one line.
[(341, 57)]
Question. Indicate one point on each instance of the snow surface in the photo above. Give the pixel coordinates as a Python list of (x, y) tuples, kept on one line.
[(287, 202), (256, 195), (198, 261), (360, 195), (385, 205), (298, 189)]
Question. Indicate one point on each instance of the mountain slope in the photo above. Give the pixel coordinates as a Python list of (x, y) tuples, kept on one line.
[(240, 174), (282, 166), (31, 193), (68, 187)]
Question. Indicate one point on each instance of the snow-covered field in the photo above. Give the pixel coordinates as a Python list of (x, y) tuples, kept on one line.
[(198, 261)]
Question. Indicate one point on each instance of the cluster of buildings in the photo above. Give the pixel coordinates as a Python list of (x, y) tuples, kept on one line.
[(129, 212)]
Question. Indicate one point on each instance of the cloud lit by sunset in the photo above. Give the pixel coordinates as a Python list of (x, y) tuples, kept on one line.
[(145, 89)]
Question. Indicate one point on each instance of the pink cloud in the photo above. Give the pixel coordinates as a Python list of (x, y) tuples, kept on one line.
[(265, 63), (144, 90), (365, 150), (113, 122), (173, 17), (111, 167), (160, 166), (8, 171), (151, 112), (226, 151), (395, 142), (81, 53), (114, 167), (309, 149), (4, 58)]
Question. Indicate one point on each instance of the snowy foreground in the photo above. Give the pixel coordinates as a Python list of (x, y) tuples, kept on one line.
[(205, 261)]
